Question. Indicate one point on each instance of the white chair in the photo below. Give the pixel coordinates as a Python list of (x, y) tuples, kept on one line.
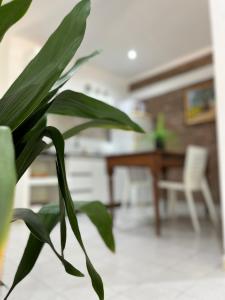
[(194, 179), (137, 185)]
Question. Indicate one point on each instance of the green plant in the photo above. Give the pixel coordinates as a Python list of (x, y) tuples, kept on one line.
[(23, 114), (160, 135), (7, 185)]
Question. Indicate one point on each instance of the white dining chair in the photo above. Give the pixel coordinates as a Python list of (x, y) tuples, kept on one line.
[(137, 186), (194, 179)]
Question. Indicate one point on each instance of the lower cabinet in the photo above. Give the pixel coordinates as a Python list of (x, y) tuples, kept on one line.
[(87, 180)]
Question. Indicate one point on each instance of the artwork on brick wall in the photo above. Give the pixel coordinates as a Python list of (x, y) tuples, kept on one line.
[(199, 104), (171, 104)]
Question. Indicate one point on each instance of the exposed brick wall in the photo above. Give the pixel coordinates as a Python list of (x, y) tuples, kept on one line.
[(172, 105)]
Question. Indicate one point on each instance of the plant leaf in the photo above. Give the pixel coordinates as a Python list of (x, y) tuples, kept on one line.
[(58, 142), (50, 216), (71, 103), (12, 12), (63, 232), (70, 73), (38, 229), (36, 131), (33, 249), (93, 124), (33, 85), (7, 185), (33, 222), (100, 217), (40, 225), (20, 133), (32, 149), (24, 127)]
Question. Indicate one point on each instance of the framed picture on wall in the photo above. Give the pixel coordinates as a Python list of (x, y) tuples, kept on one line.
[(200, 104)]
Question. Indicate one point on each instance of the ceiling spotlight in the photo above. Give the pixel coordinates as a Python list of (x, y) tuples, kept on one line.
[(132, 54)]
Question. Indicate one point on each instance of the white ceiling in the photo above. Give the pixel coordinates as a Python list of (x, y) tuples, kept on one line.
[(160, 30)]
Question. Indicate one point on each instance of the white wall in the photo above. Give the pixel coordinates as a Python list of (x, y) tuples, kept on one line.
[(218, 31), (15, 54), (103, 85), (4, 69)]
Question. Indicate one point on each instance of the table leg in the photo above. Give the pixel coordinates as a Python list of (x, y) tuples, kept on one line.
[(156, 202), (164, 193), (111, 196)]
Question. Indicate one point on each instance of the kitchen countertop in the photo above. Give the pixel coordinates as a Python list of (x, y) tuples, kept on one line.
[(75, 155)]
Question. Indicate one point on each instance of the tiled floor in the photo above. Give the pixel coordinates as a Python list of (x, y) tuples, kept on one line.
[(179, 265)]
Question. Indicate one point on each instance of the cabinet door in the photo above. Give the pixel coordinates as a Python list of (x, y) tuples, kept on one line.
[(88, 179)]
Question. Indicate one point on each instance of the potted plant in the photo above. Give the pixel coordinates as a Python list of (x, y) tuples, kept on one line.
[(160, 134), (24, 108)]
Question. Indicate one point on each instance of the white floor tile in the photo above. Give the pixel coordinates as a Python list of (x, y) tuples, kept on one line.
[(177, 266)]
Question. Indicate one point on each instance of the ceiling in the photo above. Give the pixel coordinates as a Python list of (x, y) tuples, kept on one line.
[(160, 30)]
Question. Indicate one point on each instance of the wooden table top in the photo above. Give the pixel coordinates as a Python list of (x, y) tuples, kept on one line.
[(146, 153)]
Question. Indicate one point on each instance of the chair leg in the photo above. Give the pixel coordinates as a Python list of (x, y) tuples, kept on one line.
[(209, 202), (193, 212), (172, 197), (134, 194), (126, 193)]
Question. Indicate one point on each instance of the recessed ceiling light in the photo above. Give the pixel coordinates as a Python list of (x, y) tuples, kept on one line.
[(132, 54)]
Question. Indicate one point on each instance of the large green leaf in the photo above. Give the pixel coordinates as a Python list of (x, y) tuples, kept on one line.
[(31, 150), (25, 127), (38, 229), (34, 145), (22, 130), (50, 216), (7, 185), (12, 12), (40, 225), (33, 248), (33, 85), (35, 131), (19, 135), (62, 219), (106, 124), (71, 103), (100, 217), (33, 222), (58, 142)]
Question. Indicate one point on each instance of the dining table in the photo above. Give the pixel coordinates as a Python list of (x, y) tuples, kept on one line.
[(158, 161)]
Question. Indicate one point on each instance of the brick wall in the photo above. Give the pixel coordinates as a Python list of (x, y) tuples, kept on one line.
[(172, 105)]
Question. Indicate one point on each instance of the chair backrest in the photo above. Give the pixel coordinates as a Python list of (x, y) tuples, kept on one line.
[(195, 166)]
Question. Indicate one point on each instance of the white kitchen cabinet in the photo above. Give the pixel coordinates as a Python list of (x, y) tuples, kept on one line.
[(87, 180)]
